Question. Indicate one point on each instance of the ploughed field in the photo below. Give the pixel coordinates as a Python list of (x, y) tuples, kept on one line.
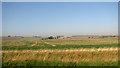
[(60, 52)]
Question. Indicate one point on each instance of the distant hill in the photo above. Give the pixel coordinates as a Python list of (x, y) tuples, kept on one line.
[(85, 36), (91, 36)]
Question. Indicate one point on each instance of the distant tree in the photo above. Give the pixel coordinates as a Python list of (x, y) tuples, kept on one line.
[(57, 37), (51, 37), (114, 36), (9, 36)]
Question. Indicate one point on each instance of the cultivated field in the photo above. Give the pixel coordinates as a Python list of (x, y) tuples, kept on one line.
[(60, 52)]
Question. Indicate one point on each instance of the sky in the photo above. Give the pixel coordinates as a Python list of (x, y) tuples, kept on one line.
[(59, 18)]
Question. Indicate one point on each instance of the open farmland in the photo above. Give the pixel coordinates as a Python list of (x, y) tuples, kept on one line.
[(37, 43), (60, 52)]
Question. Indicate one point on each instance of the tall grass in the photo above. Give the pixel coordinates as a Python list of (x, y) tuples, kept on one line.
[(57, 63), (77, 57)]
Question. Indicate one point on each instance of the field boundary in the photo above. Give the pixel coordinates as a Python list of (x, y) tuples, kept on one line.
[(65, 50)]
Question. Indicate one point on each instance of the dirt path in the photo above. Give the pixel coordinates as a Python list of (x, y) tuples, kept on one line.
[(43, 42), (49, 43), (34, 43)]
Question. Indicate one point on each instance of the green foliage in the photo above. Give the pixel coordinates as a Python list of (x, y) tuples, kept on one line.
[(56, 63), (51, 37), (47, 46)]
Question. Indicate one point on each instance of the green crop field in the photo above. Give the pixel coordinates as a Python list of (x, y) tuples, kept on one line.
[(60, 52)]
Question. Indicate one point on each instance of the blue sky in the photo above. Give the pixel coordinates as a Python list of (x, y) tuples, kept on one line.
[(59, 18)]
